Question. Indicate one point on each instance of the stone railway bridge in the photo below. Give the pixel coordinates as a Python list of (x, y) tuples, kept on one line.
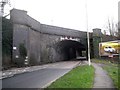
[(45, 43)]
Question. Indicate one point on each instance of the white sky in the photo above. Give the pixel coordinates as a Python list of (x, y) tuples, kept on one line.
[(70, 13)]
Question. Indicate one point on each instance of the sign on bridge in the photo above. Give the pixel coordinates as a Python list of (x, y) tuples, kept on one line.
[(69, 38)]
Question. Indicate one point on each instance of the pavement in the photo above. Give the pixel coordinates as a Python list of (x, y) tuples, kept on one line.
[(102, 79)]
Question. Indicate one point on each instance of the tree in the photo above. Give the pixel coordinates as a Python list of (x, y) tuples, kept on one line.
[(112, 28)]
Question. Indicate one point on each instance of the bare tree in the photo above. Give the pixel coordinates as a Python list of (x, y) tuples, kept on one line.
[(119, 29), (112, 28)]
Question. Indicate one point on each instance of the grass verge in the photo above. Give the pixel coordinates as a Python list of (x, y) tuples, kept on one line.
[(106, 62), (113, 73), (112, 69), (79, 77)]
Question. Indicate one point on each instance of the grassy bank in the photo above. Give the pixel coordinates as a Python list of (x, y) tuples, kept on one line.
[(112, 69), (113, 73), (79, 77)]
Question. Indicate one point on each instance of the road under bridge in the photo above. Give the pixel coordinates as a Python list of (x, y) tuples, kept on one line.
[(34, 43)]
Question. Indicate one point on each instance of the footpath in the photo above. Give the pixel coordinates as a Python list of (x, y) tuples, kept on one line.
[(102, 80)]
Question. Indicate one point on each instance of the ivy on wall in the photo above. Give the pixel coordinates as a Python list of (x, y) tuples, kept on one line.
[(7, 41), (22, 50)]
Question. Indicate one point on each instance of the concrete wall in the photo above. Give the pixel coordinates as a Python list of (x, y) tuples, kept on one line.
[(20, 36), (21, 17), (48, 48), (62, 31), (40, 40), (34, 52), (40, 47)]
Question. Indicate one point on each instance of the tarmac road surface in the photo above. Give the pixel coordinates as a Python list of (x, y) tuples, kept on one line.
[(39, 78)]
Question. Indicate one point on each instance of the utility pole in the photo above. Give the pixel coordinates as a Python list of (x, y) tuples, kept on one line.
[(2, 5), (88, 39)]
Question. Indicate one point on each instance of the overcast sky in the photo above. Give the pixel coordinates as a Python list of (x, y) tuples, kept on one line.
[(70, 13)]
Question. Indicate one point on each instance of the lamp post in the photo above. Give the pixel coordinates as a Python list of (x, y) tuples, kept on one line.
[(88, 41)]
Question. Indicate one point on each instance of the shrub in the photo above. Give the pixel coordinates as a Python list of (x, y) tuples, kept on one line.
[(22, 50)]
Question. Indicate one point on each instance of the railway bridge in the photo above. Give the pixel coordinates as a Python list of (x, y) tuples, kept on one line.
[(39, 43)]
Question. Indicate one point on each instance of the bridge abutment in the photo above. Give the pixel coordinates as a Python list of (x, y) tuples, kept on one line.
[(96, 40)]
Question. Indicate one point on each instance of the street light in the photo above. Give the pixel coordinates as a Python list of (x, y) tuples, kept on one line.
[(88, 41)]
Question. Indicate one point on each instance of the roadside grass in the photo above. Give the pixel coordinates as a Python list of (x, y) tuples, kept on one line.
[(79, 77), (113, 73), (106, 62), (112, 69)]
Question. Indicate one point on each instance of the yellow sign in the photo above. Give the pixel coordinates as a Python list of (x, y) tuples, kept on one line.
[(109, 48)]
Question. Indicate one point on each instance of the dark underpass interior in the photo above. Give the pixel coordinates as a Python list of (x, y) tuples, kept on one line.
[(71, 49)]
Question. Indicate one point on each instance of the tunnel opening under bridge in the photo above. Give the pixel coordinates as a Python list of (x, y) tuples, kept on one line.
[(70, 50)]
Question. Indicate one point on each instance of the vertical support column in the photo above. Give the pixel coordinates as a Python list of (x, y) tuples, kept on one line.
[(77, 54), (0, 43), (119, 25), (119, 39), (96, 40), (0, 52)]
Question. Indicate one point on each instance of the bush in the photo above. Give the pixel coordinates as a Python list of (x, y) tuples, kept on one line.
[(22, 50)]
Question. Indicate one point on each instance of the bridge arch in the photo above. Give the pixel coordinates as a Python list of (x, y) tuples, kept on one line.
[(69, 49)]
